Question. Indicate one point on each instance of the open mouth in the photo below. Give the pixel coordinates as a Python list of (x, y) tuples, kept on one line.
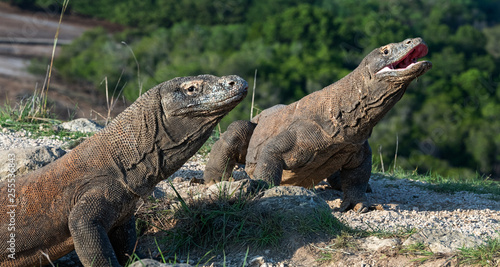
[(408, 60)]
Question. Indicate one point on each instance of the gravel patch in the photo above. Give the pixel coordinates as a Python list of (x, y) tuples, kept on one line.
[(22, 139), (406, 205)]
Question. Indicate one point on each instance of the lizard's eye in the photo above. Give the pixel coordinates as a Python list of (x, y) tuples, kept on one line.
[(191, 90), (385, 51)]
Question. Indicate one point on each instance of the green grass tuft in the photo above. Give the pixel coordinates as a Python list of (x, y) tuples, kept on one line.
[(32, 115), (229, 221), (217, 223), (27, 110), (483, 255), (420, 251)]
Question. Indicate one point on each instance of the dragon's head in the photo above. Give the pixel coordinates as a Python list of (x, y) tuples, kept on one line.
[(388, 70), (203, 95), (397, 62)]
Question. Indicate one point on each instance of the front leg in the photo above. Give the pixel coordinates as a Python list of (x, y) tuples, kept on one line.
[(354, 181), (89, 222), (292, 149), (271, 159), (230, 149), (123, 238), (334, 181), (335, 184), (269, 167)]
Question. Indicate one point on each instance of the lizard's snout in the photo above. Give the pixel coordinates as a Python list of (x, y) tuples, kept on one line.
[(234, 82), (413, 41)]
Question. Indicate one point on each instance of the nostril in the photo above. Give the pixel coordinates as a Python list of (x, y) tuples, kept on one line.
[(408, 41), (231, 83)]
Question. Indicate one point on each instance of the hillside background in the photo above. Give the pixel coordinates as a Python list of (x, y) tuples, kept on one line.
[(447, 122)]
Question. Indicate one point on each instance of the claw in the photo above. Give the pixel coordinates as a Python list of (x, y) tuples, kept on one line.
[(360, 207)]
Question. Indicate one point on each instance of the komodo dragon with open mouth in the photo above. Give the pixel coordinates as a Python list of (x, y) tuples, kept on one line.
[(86, 199), (325, 133)]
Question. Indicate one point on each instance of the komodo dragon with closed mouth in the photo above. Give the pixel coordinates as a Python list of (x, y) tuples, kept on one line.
[(325, 133), (86, 199)]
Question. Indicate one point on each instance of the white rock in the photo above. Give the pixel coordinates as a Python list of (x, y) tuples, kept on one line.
[(82, 125), (374, 243), (23, 160)]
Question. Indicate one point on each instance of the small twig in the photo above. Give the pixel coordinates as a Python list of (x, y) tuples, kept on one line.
[(117, 83), (40, 119), (113, 102), (104, 118), (42, 95), (447, 262), (138, 68), (48, 258), (253, 93), (396, 154), (138, 208), (34, 98), (107, 98), (65, 5), (381, 158)]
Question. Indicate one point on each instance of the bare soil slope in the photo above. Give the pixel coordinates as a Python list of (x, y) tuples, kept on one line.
[(27, 35)]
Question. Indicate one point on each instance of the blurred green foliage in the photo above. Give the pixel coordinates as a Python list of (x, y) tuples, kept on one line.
[(448, 121)]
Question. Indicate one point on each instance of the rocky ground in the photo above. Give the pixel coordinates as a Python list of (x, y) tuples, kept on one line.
[(444, 222), (400, 203)]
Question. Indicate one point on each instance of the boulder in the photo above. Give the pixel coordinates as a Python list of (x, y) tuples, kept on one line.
[(374, 243), (288, 200), (24, 160), (82, 125)]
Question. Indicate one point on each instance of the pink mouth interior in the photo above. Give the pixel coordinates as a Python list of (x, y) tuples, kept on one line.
[(412, 56)]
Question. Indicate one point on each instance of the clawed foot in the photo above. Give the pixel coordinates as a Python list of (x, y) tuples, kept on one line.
[(360, 207), (336, 186)]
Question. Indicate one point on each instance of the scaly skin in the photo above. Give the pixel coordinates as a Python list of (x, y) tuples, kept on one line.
[(325, 134), (86, 199)]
